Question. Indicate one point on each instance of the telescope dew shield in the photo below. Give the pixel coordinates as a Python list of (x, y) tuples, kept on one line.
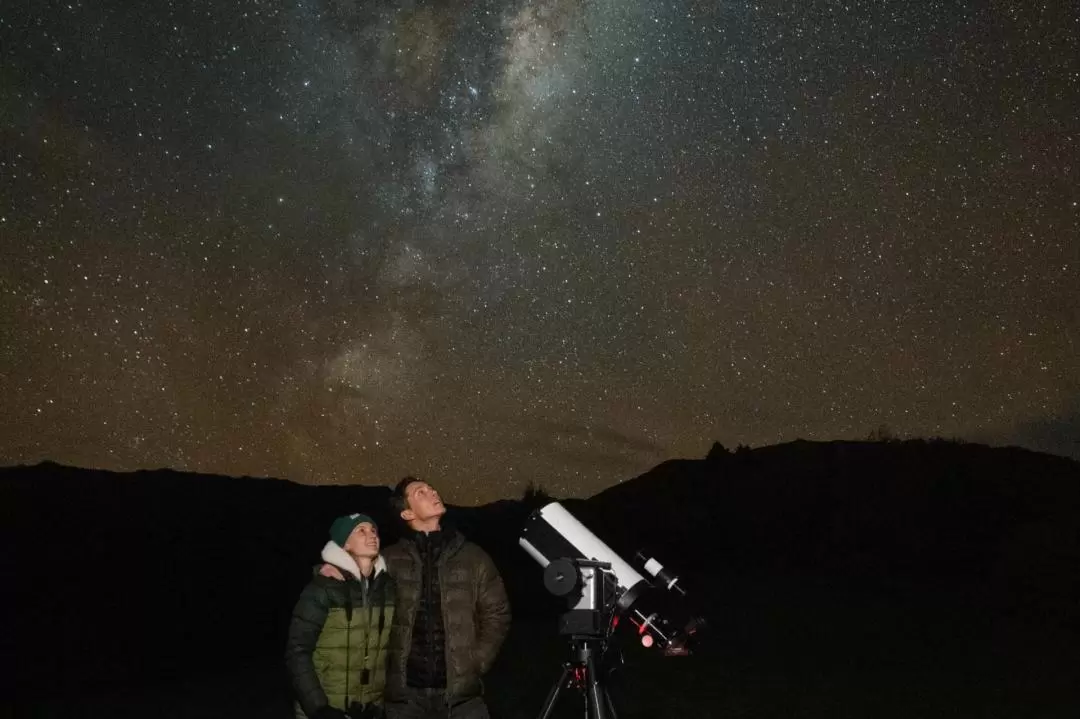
[(552, 533)]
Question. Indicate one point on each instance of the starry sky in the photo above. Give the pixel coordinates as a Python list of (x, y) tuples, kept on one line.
[(555, 241)]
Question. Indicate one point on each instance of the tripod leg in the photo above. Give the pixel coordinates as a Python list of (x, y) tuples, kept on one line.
[(553, 695), (597, 695), (610, 705)]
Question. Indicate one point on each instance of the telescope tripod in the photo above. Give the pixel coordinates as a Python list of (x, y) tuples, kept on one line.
[(580, 673)]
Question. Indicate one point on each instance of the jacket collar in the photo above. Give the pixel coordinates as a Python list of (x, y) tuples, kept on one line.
[(451, 541), (332, 553)]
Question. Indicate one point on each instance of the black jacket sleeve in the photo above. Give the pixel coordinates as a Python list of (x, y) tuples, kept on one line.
[(492, 612), (308, 619)]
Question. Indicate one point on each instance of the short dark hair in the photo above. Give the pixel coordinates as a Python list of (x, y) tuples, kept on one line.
[(399, 500)]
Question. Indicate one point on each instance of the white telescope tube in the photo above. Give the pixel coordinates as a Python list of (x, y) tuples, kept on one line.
[(587, 543)]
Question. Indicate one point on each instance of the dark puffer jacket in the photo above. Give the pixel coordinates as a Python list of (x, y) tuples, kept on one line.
[(425, 666), (474, 612)]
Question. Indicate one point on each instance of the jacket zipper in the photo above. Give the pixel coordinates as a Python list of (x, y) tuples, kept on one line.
[(446, 639), (348, 639), (368, 590), (432, 573)]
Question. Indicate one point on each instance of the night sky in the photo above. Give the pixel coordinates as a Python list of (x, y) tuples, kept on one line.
[(552, 241)]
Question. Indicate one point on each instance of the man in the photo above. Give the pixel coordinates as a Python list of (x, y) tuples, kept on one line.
[(340, 629), (452, 614)]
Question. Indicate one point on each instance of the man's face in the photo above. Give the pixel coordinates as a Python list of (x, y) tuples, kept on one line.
[(422, 503), (363, 541)]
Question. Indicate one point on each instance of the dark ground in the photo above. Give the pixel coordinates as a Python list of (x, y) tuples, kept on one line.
[(841, 581), (776, 648)]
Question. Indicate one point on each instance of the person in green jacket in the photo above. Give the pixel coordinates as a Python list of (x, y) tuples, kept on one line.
[(338, 636)]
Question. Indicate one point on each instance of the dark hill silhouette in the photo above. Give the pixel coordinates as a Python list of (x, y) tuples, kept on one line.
[(1003, 520), (874, 568), (138, 575)]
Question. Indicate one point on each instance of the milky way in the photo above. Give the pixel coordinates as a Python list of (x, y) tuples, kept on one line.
[(548, 241)]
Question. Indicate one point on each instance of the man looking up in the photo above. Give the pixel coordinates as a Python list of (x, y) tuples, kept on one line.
[(452, 614)]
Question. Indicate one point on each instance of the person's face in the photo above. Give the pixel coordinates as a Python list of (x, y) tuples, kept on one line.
[(422, 503), (363, 541)]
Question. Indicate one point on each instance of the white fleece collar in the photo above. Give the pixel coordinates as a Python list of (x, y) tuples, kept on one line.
[(332, 553)]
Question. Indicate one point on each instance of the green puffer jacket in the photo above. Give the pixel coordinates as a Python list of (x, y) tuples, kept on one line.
[(338, 637), (476, 613)]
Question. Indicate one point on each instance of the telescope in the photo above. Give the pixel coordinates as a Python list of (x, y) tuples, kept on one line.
[(600, 588)]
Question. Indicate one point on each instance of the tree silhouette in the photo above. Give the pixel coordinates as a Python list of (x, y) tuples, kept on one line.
[(536, 496)]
